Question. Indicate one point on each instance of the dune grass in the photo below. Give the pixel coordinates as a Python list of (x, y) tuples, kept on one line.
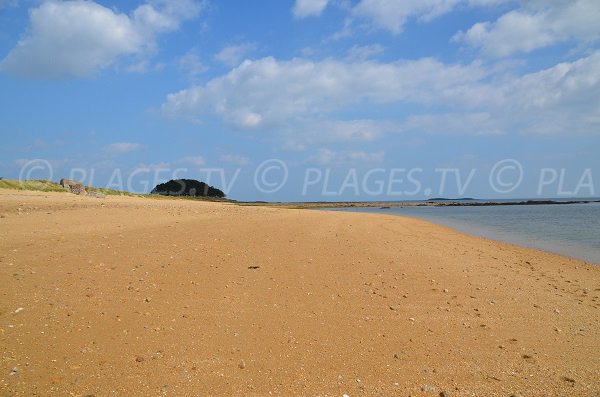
[(49, 186), (110, 192), (36, 184)]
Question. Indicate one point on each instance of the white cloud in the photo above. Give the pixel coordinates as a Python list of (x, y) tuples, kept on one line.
[(232, 55), (535, 25), (159, 16), (560, 100), (563, 99), (119, 148), (78, 38), (393, 14), (364, 52), (267, 93), (299, 99), (328, 157), (307, 8)]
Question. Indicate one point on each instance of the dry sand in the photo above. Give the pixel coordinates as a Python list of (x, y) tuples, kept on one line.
[(148, 297)]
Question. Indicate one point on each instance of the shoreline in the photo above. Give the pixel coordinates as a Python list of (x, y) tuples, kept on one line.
[(491, 233), (483, 235), (143, 296)]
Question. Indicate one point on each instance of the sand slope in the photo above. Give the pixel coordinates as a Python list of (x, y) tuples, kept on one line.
[(147, 297)]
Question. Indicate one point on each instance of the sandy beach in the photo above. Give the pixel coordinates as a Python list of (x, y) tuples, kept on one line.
[(128, 296)]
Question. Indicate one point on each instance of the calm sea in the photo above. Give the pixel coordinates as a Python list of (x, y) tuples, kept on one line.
[(568, 229)]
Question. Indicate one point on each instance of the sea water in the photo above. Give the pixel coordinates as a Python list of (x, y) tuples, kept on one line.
[(568, 229)]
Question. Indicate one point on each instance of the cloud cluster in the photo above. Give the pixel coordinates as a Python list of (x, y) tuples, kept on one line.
[(535, 25), (528, 26), (271, 93), (562, 99), (299, 93), (392, 15), (78, 38)]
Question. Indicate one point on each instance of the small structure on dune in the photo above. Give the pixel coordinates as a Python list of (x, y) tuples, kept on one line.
[(73, 186)]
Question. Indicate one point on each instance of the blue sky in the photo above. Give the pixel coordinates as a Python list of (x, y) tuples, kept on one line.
[(306, 99)]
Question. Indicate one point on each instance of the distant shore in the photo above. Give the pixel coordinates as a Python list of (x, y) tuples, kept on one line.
[(424, 203)]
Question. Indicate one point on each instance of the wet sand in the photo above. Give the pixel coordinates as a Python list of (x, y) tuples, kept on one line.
[(131, 296)]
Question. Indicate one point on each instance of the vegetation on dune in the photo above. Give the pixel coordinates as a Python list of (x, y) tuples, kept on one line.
[(36, 184), (49, 186), (109, 192)]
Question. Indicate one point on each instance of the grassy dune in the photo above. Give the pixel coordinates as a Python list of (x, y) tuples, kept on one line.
[(49, 186)]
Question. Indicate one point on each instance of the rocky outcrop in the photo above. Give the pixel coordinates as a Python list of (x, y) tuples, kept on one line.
[(77, 189), (66, 182)]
